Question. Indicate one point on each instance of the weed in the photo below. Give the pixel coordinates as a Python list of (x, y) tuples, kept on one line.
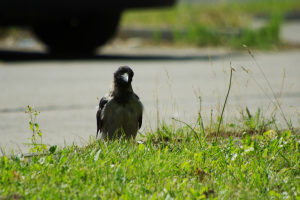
[(36, 132), (254, 124), (35, 146)]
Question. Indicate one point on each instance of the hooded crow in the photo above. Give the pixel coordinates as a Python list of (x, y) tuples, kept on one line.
[(120, 111)]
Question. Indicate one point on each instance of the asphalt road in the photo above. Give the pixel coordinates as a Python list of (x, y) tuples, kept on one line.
[(66, 91)]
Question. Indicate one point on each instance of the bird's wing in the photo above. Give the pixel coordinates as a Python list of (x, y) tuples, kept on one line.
[(141, 117), (140, 121), (102, 103), (136, 96)]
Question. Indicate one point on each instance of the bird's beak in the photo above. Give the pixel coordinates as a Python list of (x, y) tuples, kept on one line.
[(125, 77)]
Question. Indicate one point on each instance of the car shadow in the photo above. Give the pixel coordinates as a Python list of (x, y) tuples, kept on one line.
[(19, 56)]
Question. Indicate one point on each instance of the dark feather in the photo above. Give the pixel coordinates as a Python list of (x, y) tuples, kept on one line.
[(140, 121), (136, 96), (141, 117), (102, 103)]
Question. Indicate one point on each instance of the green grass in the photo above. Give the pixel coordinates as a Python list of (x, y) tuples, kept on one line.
[(222, 24), (254, 166)]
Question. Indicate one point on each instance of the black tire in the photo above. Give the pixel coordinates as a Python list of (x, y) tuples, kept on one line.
[(77, 35)]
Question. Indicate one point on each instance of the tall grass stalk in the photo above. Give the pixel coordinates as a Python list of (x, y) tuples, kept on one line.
[(201, 119), (221, 117), (277, 102)]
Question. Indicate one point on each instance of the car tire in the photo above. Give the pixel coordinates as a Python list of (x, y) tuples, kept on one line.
[(77, 35)]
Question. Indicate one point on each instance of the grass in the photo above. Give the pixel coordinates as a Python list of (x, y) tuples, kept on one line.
[(225, 23), (252, 167)]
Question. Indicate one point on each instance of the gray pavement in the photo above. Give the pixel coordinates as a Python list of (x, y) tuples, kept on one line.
[(290, 32), (66, 91)]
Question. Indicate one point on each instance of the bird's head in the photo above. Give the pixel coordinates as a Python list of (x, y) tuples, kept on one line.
[(123, 75)]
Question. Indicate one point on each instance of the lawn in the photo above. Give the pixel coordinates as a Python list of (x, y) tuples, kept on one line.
[(252, 166)]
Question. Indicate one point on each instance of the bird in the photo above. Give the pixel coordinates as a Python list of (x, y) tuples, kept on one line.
[(120, 111)]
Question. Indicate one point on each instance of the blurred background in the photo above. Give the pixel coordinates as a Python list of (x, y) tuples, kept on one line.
[(261, 24)]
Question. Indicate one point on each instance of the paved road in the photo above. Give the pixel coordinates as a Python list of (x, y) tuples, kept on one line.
[(66, 91)]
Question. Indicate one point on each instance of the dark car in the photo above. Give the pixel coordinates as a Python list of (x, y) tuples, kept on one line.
[(71, 25)]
